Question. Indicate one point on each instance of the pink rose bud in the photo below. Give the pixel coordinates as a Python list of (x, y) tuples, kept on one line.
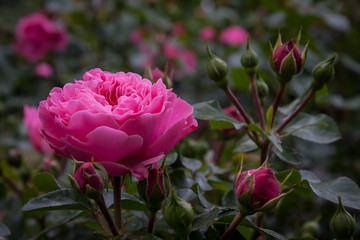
[(234, 36), (157, 74), (50, 165), (33, 126), (207, 33), (44, 70), (136, 36), (91, 179), (155, 188), (255, 188)]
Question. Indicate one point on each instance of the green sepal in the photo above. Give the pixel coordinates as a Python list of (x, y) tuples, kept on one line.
[(93, 193), (273, 202), (73, 183), (288, 65)]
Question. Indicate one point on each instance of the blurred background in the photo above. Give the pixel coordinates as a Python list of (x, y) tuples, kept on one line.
[(133, 35)]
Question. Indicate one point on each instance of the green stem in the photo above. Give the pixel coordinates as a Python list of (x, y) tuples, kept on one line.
[(276, 103), (150, 227), (233, 225), (116, 181), (288, 119), (259, 218), (101, 204), (258, 103)]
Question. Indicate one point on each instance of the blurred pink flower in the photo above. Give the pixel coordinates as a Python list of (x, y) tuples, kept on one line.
[(188, 59), (44, 70), (120, 120), (178, 29), (136, 36), (36, 35), (170, 50), (207, 33), (157, 74), (234, 36), (33, 125)]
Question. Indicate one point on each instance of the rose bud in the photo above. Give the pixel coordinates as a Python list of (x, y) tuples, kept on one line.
[(155, 188), (91, 179), (342, 224), (217, 70), (311, 229), (179, 214), (323, 73), (256, 190), (249, 60), (286, 59)]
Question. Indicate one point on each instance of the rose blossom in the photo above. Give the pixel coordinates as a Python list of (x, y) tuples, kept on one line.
[(119, 119), (33, 125), (156, 74), (234, 36), (207, 33), (36, 35), (44, 70), (262, 184)]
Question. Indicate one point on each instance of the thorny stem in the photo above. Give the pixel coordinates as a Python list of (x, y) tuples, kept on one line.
[(258, 103), (276, 103), (101, 204), (233, 225), (264, 151), (296, 112), (116, 181), (13, 186), (99, 219), (150, 227)]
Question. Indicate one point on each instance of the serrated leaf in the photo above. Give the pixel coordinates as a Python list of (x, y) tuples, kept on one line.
[(64, 199), (245, 144), (289, 155), (4, 230), (212, 111), (344, 187), (315, 128), (267, 232), (270, 136), (205, 219), (45, 182), (229, 200)]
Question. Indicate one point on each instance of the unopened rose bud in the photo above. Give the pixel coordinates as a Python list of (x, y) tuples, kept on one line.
[(311, 229), (323, 73), (91, 179), (342, 224), (249, 60), (155, 188), (179, 214), (256, 188), (217, 70), (261, 86), (286, 59)]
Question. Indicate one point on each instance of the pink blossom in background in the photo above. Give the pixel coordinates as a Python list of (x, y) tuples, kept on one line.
[(33, 125), (207, 33), (232, 111), (234, 36), (119, 119), (48, 164), (188, 60), (179, 29), (136, 36), (36, 35), (157, 74), (44, 70), (170, 50)]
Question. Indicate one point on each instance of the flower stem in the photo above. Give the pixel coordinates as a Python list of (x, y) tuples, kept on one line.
[(101, 204), (234, 100), (233, 225), (13, 186), (116, 181), (276, 103), (259, 218), (258, 103), (150, 227), (296, 112)]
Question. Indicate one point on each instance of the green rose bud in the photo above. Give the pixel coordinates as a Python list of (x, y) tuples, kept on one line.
[(217, 70), (249, 59), (342, 224), (323, 73), (179, 214)]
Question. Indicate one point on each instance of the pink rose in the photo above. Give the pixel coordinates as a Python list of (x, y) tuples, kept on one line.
[(261, 183), (170, 50), (136, 36), (119, 119), (44, 70), (156, 74), (234, 36), (287, 59), (36, 35), (188, 60), (179, 29), (33, 125), (207, 33)]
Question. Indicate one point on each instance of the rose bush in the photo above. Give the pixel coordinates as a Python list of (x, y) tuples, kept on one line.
[(36, 35), (119, 119)]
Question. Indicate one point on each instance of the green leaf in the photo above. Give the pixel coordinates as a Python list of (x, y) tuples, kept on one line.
[(245, 144), (191, 163), (295, 177), (179, 179), (270, 136), (323, 129), (269, 117), (267, 232), (128, 201), (205, 219), (212, 111), (344, 187), (289, 155), (45, 182), (240, 79), (4, 230), (64, 199), (229, 200)]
